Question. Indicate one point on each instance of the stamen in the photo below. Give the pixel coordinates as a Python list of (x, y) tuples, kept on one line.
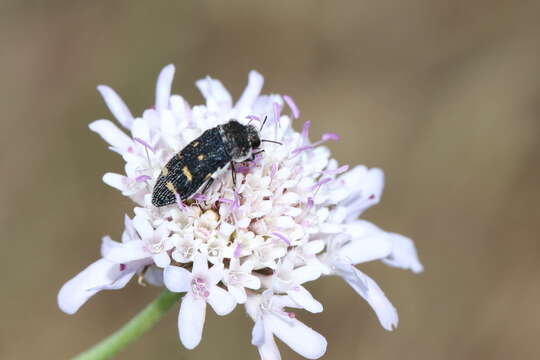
[(253, 117), (310, 202), (292, 105), (179, 202), (273, 170), (302, 148), (337, 171), (282, 237), (305, 129), (199, 197), (142, 178), (144, 143), (320, 183), (237, 251), (277, 113), (330, 136), (236, 202)]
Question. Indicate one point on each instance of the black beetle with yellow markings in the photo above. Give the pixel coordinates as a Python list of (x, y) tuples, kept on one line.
[(200, 161)]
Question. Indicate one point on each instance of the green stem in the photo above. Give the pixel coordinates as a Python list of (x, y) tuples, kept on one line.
[(128, 333)]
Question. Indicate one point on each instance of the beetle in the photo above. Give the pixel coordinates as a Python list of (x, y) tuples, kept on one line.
[(202, 159)]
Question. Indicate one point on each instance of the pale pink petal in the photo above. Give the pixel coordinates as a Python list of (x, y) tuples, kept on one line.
[(130, 251), (107, 244), (200, 265), (217, 97), (163, 87), (116, 181), (372, 247), (111, 134), (238, 292), (215, 274), (306, 273), (370, 188), (116, 105), (221, 301), (143, 227), (268, 349), (251, 282), (299, 337), (100, 275), (191, 320), (162, 259), (257, 334), (252, 91), (403, 254), (372, 293), (177, 279), (303, 298)]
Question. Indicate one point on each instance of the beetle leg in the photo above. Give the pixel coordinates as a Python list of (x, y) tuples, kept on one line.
[(207, 185), (233, 172)]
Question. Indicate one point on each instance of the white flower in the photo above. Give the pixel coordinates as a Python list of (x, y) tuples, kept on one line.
[(291, 217), (151, 244), (201, 287), (271, 319), (288, 280), (238, 277)]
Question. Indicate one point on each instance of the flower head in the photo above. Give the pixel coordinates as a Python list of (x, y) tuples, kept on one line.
[(288, 216)]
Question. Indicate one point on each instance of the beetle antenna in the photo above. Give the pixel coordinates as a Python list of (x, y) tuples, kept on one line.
[(264, 122), (272, 141)]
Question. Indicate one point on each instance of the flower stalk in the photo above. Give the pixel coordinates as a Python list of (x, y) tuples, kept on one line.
[(131, 331)]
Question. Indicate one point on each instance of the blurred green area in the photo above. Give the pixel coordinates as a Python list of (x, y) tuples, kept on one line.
[(443, 95)]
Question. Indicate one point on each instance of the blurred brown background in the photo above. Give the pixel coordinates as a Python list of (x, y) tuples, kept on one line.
[(443, 95)]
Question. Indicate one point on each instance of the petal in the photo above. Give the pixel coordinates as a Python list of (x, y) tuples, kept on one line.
[(250, 94), (303, 298), (177, 279), (143, 227), (373, 247), (217, 97), (162, 259), (306, 273), (116, 181), (372, 293), (107, 244), (251, 282), (299, 337), (200, 265), (163, 87), (221, 301), (238, 292), (268, 350), (111, 134), (257, 334), (116, 105), (403, 254), (125, 252), (100, 275), (191, 320)]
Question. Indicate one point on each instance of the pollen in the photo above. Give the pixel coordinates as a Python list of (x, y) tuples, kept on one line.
[(170, 186), (195, 144), (200, 157), (187, 173), (165, 171)]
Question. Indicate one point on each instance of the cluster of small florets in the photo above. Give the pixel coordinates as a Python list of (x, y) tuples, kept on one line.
[(291, 217)]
